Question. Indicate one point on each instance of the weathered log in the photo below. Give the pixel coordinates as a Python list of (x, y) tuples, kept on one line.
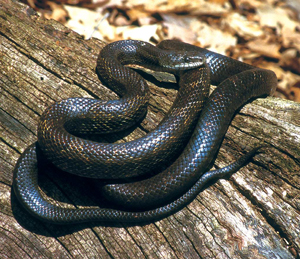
[(254, 214)]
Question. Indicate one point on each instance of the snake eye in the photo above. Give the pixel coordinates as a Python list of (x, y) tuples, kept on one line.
[(182, 60), (194, 60)]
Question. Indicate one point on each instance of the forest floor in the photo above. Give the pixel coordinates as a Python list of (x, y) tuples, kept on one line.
[(262, 33)]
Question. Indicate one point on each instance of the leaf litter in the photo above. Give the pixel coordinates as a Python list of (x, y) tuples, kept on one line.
[(263, 33)]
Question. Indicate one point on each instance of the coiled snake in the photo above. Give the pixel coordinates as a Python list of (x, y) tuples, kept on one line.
[(160, 194)]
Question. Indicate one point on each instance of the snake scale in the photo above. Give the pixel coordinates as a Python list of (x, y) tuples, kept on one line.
[(196, 124)]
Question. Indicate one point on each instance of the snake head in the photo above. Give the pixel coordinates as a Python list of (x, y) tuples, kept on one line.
[(182, 60)]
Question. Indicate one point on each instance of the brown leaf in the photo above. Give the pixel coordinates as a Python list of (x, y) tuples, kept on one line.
[(290, 60), (58, 12), (295, 93), (262, 46)]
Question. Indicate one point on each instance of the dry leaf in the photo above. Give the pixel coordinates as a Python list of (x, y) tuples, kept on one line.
[(58, 12), (290, 60), (294, 5), (295, 93), (179, 27), (143, 33), (290, 38), (275, 17), (262, 46), (243, 27), (179, 6), (213, 39)]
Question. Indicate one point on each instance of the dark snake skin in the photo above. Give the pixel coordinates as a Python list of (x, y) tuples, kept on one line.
[(158, 195)]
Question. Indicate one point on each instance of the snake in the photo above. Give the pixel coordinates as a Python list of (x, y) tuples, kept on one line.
[(161, 172)]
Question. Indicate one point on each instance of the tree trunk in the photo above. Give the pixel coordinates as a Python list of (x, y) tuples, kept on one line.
[(253, 214)]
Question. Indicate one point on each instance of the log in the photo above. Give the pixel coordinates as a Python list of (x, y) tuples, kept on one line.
[(254, 213)]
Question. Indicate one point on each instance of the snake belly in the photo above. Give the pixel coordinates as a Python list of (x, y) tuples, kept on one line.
[(164, 193)]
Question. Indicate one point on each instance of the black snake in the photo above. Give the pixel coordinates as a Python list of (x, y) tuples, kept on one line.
[(200, 130)]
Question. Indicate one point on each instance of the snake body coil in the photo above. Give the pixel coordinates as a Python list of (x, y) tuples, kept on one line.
[(166, 192)]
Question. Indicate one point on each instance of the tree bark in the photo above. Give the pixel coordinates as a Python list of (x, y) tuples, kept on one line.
[(255, 213)]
